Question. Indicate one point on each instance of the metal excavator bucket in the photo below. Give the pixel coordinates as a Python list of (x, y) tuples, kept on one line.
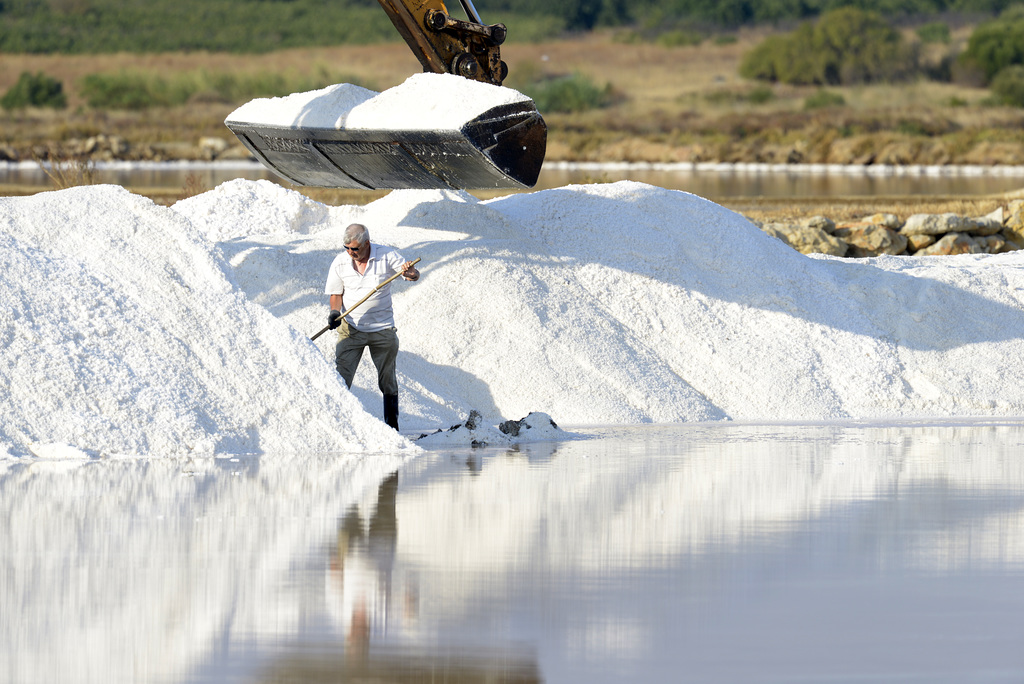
[(415, 138), (502, 147)]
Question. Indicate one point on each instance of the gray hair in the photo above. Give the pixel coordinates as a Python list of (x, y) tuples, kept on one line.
[(358, 232)]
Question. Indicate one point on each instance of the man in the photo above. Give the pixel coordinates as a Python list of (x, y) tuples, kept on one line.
[(353, 274)]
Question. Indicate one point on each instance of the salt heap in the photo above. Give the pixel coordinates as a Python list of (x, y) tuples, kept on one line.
[(621, 303), (123, 333), (443, 102), (137, 329)]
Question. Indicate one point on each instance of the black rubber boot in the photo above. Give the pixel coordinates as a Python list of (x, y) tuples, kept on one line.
[(391, 410)]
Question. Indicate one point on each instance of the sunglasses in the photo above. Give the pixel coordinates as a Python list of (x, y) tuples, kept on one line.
[(353, 249)]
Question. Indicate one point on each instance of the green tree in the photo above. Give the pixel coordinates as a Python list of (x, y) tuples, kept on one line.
[(35, 90), (845, 46), (1008, 85), (995, 45)]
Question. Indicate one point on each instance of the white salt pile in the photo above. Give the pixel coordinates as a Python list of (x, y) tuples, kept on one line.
[(597, 304), (628, 303), (123, 333), (443, 102)]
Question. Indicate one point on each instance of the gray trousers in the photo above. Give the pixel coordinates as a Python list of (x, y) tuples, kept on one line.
[(383, 346)]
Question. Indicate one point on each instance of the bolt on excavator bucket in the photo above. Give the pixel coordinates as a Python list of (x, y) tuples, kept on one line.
[(433, 131)]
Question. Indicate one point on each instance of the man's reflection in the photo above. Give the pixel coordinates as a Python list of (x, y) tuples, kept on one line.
[(361, 574), (372, 603)]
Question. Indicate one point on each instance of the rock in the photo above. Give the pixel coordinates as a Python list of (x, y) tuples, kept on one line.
[(856, 150), (890, 221), (1013, 228), (821, 222), (473, 422), (992, 154), (933, 224), (806, 239), (991, 244), (898, 153), (953, 243), (989, 224), (934, 153), (532, 420), (8, 153), (919, 242), (922, 234), (211, 147), (89, 146), (117, 146), (236, 152), (871, 240), (174, 151)]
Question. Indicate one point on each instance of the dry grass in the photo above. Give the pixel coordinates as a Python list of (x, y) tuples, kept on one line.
[(65, 169), (193, 186), (850, 208), (673, 104), (382, 65), (666, 96)]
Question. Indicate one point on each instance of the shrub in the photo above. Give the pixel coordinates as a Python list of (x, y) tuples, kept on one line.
[(995, 45), (934, 32), (575, 93), (65, 169), (1008, 86), (137, 90), (162, 25), (823, 98), (760, 95), (124, 91), (35, 90), (763, 62), (845, 46), (1012, 13), (679, 38)]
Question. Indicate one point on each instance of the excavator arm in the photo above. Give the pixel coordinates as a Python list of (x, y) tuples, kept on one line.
[(502, 147), (445, 44)]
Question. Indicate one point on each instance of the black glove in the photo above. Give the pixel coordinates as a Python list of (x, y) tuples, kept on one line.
[(333, 319)]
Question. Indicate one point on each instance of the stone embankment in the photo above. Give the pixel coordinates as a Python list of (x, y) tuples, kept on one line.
[(919, 235), (104, 148)]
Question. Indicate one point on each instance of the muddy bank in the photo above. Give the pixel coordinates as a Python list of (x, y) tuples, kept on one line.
[(886, 149)]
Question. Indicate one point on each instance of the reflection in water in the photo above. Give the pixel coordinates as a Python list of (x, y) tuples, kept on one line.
[(721, 182), (703, 553), (730, 553), (715, 182), (372, 607), (361, 573)]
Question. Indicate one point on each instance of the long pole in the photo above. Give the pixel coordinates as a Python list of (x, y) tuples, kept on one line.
[(356, 305)]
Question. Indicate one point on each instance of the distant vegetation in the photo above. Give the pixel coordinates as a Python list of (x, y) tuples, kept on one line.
[(35, 90), (823, 43), (140, 90), (93, 26), (850, 46), (998, 44), (844, 47), (572, 93)]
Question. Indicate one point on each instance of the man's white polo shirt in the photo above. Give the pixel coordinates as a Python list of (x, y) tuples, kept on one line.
[(343, 279)]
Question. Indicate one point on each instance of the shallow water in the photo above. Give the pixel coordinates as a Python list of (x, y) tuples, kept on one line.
[(715, 182), (683, 553)]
